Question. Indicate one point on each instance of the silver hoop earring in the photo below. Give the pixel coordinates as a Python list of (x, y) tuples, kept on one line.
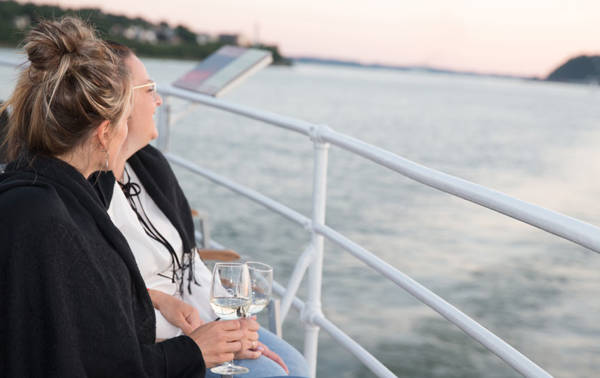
[(106, 162)]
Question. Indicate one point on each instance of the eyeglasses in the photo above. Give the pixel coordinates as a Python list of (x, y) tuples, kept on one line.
[(153, 88)]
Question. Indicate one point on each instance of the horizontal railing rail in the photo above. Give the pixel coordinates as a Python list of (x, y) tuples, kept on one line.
[(561, 225), (347, 342), (14, 63)]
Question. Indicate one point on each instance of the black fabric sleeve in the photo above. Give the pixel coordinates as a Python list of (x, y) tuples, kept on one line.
[(181, 357), (3, 130), (67, 312)]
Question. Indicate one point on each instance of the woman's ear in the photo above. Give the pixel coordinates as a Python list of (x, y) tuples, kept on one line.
[(103, 133)]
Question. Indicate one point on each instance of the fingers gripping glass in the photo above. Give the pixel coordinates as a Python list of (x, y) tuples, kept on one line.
[(152, 87), (230, 297)]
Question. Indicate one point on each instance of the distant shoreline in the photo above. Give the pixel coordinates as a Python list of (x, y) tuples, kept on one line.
[(577, 70), (349, 63)]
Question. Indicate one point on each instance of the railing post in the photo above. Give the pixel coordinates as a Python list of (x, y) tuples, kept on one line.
[(275, 317), (315, 271), (164, 126)]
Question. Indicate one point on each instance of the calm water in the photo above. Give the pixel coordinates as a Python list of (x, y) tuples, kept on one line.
[(535, 141)]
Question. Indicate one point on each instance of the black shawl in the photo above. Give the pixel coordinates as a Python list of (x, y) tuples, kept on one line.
[(74, 302), (158, 179), (3, 130), (155, 173)]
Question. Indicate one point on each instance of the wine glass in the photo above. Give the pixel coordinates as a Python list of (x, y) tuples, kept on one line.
[(230, 297), (261, 282)]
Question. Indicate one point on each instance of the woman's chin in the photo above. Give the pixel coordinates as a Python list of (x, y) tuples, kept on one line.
[(154, 134)]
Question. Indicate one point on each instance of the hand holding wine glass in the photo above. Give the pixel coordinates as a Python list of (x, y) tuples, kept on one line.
[(230, 297)]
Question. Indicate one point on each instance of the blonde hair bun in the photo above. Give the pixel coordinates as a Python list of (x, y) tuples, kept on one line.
[(52, 41), (74, 82)]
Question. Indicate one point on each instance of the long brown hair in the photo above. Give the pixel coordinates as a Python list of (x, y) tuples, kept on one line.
[(73, 83)]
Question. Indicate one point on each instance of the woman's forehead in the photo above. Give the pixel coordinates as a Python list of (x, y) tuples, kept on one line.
[(138, 70)]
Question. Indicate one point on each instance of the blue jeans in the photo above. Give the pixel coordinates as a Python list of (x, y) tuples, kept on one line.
[(265, 367)]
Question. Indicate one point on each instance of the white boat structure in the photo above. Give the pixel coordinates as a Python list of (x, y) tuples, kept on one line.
[(310, 262)]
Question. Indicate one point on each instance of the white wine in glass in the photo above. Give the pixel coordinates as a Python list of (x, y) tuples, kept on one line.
[(230, 297), (261, 282), (229, 308)]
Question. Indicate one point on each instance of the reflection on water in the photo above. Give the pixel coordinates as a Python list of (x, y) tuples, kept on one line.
[(532, 140)]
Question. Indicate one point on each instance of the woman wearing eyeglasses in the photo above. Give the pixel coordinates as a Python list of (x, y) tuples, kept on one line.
[(149, 207)]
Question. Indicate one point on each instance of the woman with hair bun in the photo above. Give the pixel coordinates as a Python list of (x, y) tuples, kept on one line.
[(73, 301)]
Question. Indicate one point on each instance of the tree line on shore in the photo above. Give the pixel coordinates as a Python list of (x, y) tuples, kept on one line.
[(145, 38)]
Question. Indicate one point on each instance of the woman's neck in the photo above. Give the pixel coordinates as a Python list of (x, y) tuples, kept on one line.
[(78, 161), (118, 171), (119, 167), (126, 152)]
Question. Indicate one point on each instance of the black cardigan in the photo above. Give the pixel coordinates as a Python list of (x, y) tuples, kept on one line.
[(157, 177), (3, 130), (73, 301), (155, 173)]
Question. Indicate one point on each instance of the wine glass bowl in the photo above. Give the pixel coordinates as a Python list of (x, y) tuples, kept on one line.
[(261, 283)]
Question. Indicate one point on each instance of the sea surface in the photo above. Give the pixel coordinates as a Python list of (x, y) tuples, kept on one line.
[(532, 140)]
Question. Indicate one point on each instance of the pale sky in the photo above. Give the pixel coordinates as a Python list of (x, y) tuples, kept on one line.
[(521, 37)]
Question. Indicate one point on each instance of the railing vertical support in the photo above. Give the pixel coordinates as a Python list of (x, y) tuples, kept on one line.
[(315, 270), (164, 126)]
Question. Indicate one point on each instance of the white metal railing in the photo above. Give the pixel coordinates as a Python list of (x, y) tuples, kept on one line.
[(311, 258), (13, 63), (566, 227)]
